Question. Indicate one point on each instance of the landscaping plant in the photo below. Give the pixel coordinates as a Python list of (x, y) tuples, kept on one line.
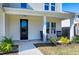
[(6, 45), (75, 39), (7, 40), (53, 40), (64, 40)]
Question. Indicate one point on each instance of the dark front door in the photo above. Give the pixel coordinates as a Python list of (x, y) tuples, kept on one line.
[(23, 29)]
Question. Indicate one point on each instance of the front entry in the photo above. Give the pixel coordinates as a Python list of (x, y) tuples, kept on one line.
[(23, 29)]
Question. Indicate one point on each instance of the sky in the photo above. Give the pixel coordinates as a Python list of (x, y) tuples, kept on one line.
[(72, 7)]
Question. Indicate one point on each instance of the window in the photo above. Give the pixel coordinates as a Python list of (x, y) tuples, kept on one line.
[(46, 6), (48, 25), (52, 6), (23, 5), (53, 27)]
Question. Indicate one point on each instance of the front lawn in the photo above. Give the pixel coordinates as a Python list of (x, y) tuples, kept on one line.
[(49, 49)]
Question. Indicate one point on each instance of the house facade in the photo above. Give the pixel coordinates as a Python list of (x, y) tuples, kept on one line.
[(25, 21)]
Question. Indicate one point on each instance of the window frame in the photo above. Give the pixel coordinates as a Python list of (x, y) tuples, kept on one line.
[(46, 6), (53, 27), (52, 6), (23, 6)]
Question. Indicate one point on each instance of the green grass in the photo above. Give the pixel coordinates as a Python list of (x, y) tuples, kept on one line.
[(71, 49)]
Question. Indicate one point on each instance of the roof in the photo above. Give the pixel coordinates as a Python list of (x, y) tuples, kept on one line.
[(38, 13)]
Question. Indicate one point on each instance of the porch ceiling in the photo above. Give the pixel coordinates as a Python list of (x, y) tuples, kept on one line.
[(38, 13)]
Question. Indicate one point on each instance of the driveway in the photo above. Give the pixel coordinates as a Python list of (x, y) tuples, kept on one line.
[(27, 48)]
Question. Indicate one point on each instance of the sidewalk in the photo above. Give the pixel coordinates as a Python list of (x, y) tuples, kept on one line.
[(27, 48)]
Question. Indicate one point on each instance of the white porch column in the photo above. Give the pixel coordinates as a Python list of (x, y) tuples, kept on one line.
[(4, 32), (44, 29), (71, 28)]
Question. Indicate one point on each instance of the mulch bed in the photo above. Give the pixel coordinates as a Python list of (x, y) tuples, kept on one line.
[(14, 52), (43, 44), (49, 44)]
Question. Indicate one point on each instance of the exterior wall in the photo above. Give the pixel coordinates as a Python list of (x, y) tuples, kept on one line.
[(13, 28), (65, 23), (34, 6), (2, 24), (0, 5), (40, 7), (76, 20), (15, 5), (12, 5), (34, 27), (6, 25), (37, 6), (58, 7)]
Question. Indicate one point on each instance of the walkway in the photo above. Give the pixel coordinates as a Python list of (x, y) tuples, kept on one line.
[(27, 48)]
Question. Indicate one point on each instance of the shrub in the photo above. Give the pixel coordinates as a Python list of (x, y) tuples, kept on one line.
[(64, 40), (75, 39), (7, 40), (53, 40), (6, 45)]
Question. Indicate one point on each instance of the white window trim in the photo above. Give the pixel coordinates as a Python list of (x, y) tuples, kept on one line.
[(49, 7)]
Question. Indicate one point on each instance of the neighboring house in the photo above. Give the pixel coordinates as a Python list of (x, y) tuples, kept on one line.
[(24, 21), (66, 25)]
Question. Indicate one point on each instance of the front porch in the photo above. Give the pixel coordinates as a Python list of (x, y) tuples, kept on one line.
[(35, 25), (47, 22)]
